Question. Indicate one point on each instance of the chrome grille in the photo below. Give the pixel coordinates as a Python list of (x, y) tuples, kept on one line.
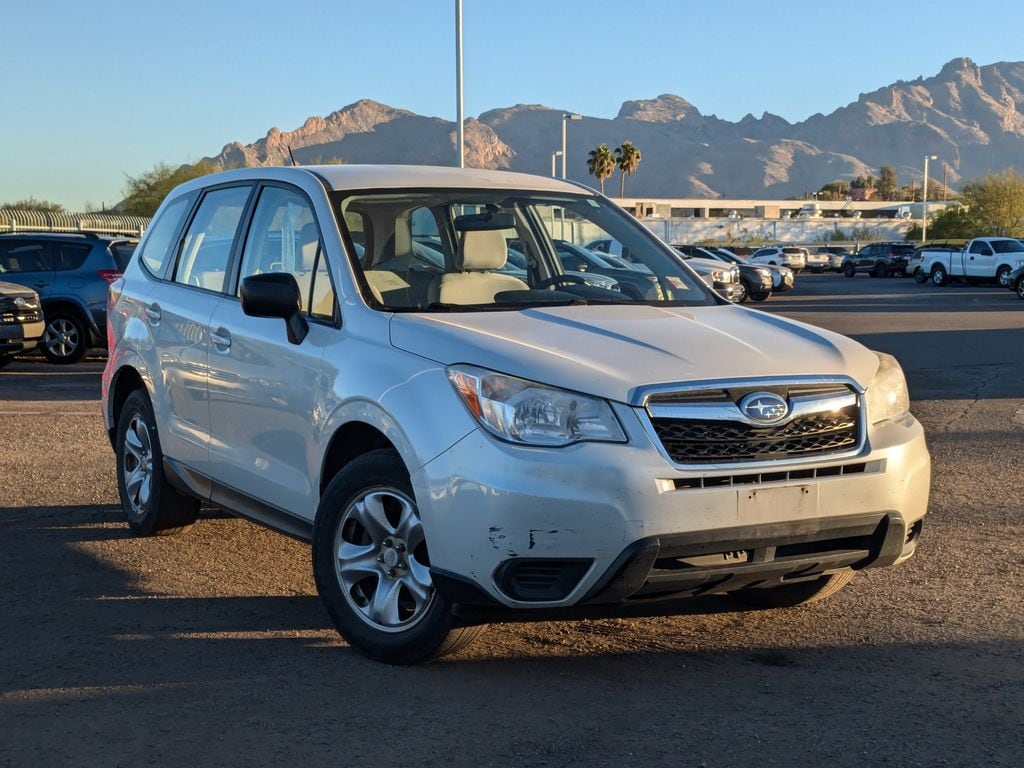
[(707, 427)]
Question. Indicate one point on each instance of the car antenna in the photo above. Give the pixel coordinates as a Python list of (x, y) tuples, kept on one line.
[(291, 155)]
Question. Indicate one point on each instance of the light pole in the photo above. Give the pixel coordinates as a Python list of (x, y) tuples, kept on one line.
[(458, 83), (924, 199), (567, 116), (556, 154)]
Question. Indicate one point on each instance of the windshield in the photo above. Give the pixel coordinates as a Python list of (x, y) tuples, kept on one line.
[(473, 250), (1008, 246)]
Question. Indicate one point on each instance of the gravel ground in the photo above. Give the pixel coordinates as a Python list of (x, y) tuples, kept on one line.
[(211, 648)]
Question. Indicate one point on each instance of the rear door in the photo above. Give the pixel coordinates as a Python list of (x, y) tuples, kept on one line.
[(265, 392), (28, 262), (179, 310)]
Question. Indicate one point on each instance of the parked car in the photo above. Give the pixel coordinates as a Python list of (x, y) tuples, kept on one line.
[(879, 260), (783, 278), (755, 281), (792, 257), (21, 321), (630, 280), (835, 254), (1015, 281), (724, 280), (817, 261), (71, 273), (981, 259), (485, 440)]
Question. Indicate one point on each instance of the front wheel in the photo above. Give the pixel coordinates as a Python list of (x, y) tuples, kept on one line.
[(1020, 287), (760, 295), (372, 567), (849, 270), (65, 341), (800, 593), (1003, 276), (152, 505), (740, 293)]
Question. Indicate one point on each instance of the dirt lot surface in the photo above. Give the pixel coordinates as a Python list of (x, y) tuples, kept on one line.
[(211, 648)]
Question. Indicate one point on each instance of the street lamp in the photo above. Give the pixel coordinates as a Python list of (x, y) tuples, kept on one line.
[(557, 153), (924, 199), (567, 116), (458, 85)]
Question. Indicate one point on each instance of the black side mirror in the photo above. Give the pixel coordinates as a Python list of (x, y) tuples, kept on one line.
[(275, 294)]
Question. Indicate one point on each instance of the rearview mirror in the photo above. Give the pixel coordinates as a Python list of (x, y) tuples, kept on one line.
[(479, 222), (275, 294)]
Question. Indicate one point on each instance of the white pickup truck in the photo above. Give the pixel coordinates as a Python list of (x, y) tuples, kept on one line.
[(983, 258)]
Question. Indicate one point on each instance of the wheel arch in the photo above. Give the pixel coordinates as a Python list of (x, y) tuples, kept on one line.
[(349, 441), (125, 380)]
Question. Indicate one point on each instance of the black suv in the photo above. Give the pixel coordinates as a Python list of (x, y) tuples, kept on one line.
[(71, 273), (879, 260), (21, 321)]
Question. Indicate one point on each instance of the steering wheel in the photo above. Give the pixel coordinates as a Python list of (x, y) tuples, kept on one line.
[(551, 282)]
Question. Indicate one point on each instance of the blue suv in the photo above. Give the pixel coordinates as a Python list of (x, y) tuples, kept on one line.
[(71, 273)]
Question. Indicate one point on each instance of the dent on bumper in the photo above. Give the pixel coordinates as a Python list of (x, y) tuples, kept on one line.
[(485, 503)]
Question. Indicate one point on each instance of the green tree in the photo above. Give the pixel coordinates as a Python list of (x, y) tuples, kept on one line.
[(995, 203), (601, 164), (888, 184), (834, 190), (627, 157), (144, 193), (31, 204)]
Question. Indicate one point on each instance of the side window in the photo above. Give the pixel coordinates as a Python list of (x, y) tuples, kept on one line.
[(571, 261), (24, 256), (72, 256), (977, 247), (207, 246), (284, 238), (158, 244)]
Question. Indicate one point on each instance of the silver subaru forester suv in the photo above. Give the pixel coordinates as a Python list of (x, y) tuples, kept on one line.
[(350, 355)]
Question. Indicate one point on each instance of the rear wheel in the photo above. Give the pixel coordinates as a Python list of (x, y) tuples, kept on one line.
[(152, 505), (372, 567), (849, 270), (800, 593), (65, 339), (939, 276)]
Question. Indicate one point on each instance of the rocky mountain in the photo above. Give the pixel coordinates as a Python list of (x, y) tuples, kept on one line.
[(971, 116)]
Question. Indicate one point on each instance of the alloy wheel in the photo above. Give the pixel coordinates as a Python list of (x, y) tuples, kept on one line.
[(381, 560), (137, 465), (61, 337)]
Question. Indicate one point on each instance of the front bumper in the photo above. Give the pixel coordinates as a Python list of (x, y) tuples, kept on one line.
[(16, 337), (537, 528)]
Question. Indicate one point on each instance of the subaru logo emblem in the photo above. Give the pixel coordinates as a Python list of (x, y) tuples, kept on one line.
[(766, 407)]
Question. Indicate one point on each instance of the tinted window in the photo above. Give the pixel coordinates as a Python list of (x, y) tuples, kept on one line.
[(72, 256), (1008, 246), (122, 254), (207, 245), (158, 243), (24, 256), (284, 238)]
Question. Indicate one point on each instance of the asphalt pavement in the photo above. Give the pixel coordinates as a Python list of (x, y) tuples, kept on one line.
[(211, 647)]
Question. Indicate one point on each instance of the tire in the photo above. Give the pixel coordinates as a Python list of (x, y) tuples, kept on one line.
[(800, 593), (881, 270), (162, 509), (6, 360), (65, 339), (1003, 276), (369, 509), (920, 276), (1020, 287), (741, 294), (849, 270), (938, 275), (760, 295)]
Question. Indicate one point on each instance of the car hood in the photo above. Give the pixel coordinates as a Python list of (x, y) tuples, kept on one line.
[(13, 291), (704, 266), (611, 351)]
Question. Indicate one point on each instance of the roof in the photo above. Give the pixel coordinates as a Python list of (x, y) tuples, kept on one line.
[(44, 235), (350, 177)]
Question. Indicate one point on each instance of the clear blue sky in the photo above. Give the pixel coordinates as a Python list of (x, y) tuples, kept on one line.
[(96, 90)]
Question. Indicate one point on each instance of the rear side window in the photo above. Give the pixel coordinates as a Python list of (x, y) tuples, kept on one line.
[(72, 256), (123, 254), (158, 243), (207, 245), (24, 256)]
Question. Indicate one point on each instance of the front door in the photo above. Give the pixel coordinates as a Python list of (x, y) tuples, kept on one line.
[(266, 394), (980, 260)]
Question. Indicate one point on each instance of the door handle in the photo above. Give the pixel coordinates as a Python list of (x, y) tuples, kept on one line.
[(153, 313), (221, 339)]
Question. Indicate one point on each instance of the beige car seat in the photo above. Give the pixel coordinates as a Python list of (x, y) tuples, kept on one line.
[(480, 254)]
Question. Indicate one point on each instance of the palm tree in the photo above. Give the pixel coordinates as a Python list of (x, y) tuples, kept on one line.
[(627, 157), (601, 164)]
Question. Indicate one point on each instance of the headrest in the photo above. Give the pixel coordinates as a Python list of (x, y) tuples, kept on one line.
[(309, 240), (482, 250)]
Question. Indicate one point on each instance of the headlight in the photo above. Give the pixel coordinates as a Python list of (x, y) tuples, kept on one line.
[(22, 303), (888, 398), (719, 277), (521, 411), (764, 272)]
